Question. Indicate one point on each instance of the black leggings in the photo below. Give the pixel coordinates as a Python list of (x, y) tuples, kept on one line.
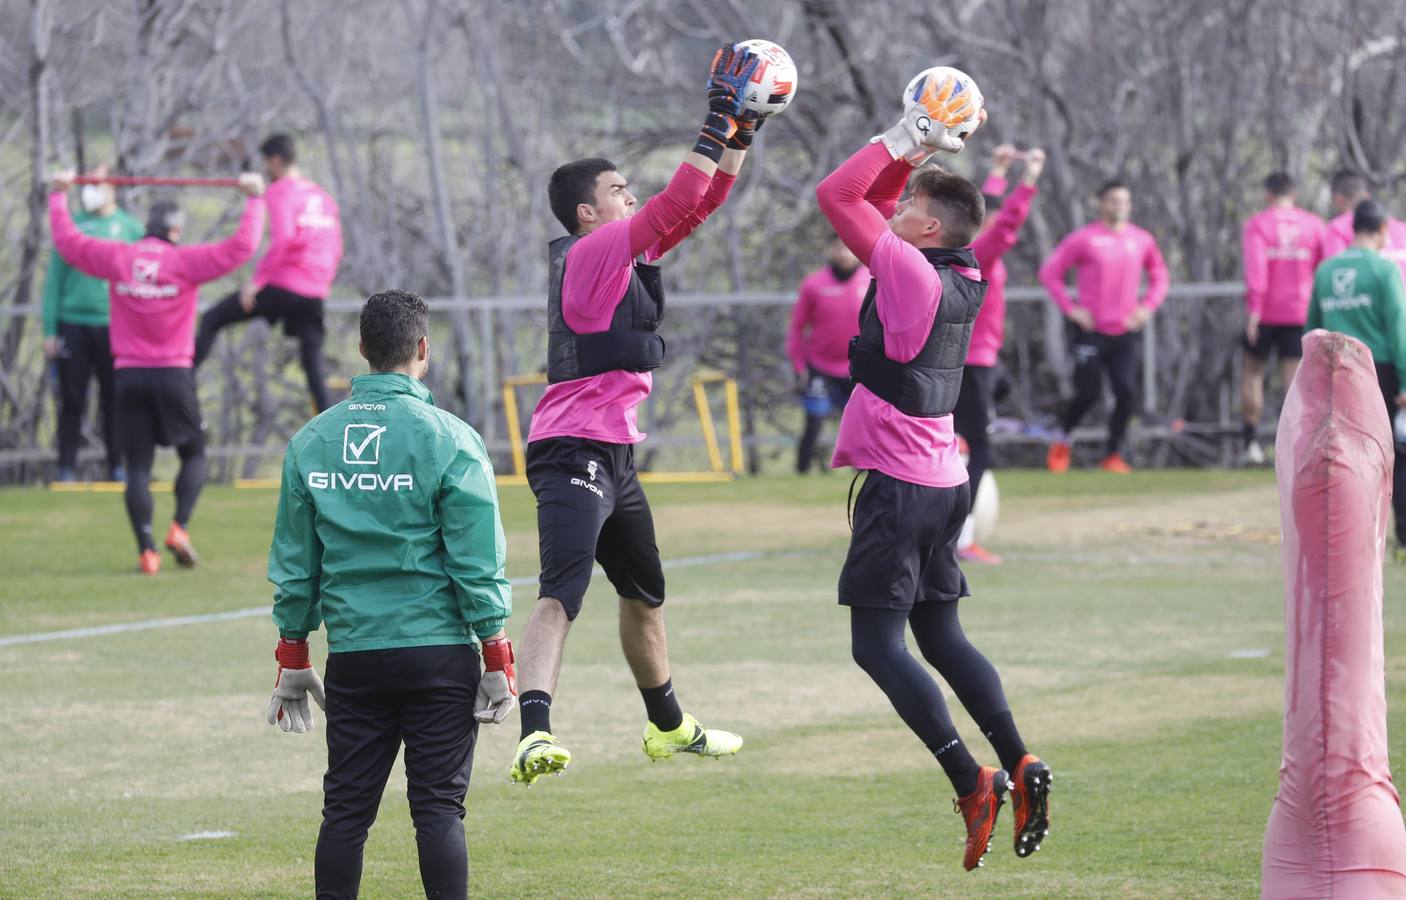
[(972, 420), (1095, 354), (302, 318), (878, 646), (189, 481), (85, 354), (1391, 386)]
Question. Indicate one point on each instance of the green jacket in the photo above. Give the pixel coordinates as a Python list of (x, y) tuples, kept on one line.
[(388, 528), (1359, 293), (69, 295)]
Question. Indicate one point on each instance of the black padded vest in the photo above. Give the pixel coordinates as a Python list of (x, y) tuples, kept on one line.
[(630, 344)]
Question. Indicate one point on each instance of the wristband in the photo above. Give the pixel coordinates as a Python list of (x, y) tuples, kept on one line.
[(292, 654), (717, 130), (498, 655)]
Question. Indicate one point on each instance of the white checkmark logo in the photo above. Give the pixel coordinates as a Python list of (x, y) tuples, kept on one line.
[(352, 451)]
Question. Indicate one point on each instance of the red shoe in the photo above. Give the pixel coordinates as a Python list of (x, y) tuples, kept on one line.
[(1030, 804), (1116, 464), (150, 562), (979, 810), (178, 542), (1057, 460), (978, 554)]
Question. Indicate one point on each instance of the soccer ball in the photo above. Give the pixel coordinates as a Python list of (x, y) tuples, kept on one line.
[(773, 84), (915, 89)]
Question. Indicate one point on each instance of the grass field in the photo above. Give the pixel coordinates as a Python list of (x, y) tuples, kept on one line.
[(1146, 668)]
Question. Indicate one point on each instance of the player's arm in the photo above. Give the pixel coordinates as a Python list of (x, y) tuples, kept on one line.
[(295, 568), (1158, 279), (89, 255), (996, 241), (476, 560), (282, 228), (1394, 323), (718, 190), (1315, 311), (843, 198), (1064, 257), (795, 333), (206, 262), (54, 278), (1256, 262)]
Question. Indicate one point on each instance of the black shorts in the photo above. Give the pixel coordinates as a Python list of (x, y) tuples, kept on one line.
[(298, 313), (157, 407), (1285, 340), (904, 547), (591, 508)]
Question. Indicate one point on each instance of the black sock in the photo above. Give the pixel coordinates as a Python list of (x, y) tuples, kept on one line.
[(1248, 433), (957, 764), (1005, 740), (662, 706), (535, 712)]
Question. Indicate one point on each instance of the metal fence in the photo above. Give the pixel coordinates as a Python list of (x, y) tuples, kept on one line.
[(254, 396)]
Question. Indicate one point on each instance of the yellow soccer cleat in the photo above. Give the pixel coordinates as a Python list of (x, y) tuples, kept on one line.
[(538, 754), (689, 737)]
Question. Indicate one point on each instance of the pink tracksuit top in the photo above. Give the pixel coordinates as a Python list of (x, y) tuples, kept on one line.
[(153, 284), (825, 318), (305, 239), (1338, 237), (1110, 266), (1281, 247), (989, 329)]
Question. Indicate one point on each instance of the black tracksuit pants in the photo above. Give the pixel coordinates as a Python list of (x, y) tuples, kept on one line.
[(85, 355), (422, 697)]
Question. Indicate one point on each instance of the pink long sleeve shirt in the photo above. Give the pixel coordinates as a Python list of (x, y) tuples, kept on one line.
[(1339, 236), (989, 329), (305, 239), (858, 198), (153, 285), (1281, 246), (825, 318), (1110, 266), (605, 407)]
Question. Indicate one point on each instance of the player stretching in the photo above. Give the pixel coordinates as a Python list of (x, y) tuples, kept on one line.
[(1111, 256), (604, 306), (1282, 244), (153, 287), (902, 564), (972, 415), (1348, 189), (825, 318), (294, 275)]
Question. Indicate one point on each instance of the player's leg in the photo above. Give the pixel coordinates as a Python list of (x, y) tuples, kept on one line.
[(1088, 388), (185, 428), (439, 731), (629, 553), (573, 501), (137, 435), (1391, 387), (816, 403), (107, 407), (74, 370), (218, 317), (1252, 395), (363, 736), (972, 420), (1290, 351), (1120, 361), (303, 321)]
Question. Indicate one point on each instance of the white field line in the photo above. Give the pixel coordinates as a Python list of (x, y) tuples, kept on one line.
[(254, 612)]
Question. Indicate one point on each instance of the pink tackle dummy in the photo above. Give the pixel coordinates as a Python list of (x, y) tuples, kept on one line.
[(1335, 830)]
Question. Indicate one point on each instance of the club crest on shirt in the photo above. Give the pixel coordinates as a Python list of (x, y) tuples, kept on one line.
[(1288, 234), (1343, 281), (145, 271)]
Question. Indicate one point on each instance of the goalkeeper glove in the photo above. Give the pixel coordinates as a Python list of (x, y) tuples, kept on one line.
[(727, 79), (930, 123), (497, 689), (288, 709)]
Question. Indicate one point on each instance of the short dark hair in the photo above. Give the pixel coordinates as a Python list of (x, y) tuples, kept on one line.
[(1279, 184), (1368, 217), (392, 323), (280, 145), (1349, 184), (163, 216), (1111, 184), (574, 184), (954, 201)]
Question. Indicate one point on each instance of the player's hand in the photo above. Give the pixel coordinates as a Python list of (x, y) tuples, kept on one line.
[(248, 295), (1082, 317), (62, 180), (52, 348), (802, 382), (288, 708), (1137, 318), (1034, 165), (1252, 330), (1001, 159), (497, 689), (727, 80), (938, 110), (748, 124), (251, 183)]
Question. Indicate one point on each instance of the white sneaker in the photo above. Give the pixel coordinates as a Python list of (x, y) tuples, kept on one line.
[(1253, 455)]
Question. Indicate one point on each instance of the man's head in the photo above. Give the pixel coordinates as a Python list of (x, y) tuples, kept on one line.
[(842, 258), (1278, 188), (98, 198), (1349, 189), (395, 333), (279, 155), (587, 193), (941, 210), (1369, 224), (1115, 203), (165, 220)]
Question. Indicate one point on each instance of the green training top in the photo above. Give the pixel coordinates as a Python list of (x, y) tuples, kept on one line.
[(75, 298), (388, 528), (1359, 293)]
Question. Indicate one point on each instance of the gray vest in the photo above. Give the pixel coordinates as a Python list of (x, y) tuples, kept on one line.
[(927, 385), (630, 344)]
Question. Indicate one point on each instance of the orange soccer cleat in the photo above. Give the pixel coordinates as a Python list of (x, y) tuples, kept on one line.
[(979, 809), (1116, 464), (978, 554), (1030, 804), (149, 563), (1057, 460), (178, 542)]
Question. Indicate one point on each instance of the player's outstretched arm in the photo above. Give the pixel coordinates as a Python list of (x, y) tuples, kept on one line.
[(89, 255), (206, 262)]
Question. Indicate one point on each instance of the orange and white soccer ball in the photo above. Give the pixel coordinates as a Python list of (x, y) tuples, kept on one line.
[(773, 84), (965, 85)]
